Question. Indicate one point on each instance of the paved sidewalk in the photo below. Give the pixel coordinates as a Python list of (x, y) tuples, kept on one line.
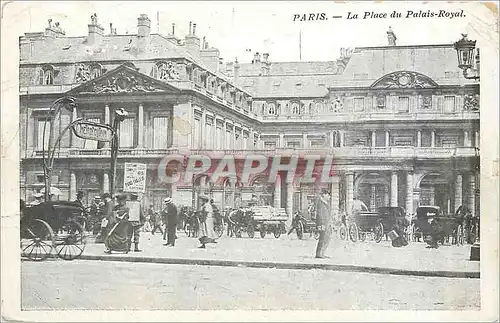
[(291, 253)]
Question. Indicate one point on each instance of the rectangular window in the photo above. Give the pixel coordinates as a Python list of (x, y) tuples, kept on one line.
[(218, 138), (270, 144), (317, 143), (359, 104), (127, 133), (404, 104), (229, 140), (209, 136), (197, 134), (449, 104), (160, 132), (449, 142), (293, 144), (40, 143)]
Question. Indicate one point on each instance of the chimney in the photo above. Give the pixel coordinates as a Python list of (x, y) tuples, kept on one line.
[(143, 31), (192, 41), (256, 58), (236, 70), (265, 64), (95, 31), (391, 37), (210, 56), (53, 30), (172, 38)]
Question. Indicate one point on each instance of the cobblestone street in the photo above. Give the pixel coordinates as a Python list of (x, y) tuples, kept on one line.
[(55, 284)]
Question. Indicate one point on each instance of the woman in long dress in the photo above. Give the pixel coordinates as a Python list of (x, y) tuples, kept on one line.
[(118, 237), (207, 227)]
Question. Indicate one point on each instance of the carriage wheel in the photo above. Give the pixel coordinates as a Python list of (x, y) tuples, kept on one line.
[(353, 232), (262, 231), (300, 230), (37, 240), (343, 232), (378, 232), (70, 241), (251, 230)]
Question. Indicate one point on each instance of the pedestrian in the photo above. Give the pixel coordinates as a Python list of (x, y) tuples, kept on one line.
[(38, 199), (107, 216), (207, 225), (156, 222), (323, 223), (170, 214), (295, 222), (118, 237), (136, 219)]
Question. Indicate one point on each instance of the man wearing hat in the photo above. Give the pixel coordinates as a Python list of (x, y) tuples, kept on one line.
[(107, 214), (170, 213), (135, 216), (38, 199)]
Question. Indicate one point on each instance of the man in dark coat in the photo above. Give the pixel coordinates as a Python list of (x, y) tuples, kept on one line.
[(323, 223), (107, 214), (170, 214)]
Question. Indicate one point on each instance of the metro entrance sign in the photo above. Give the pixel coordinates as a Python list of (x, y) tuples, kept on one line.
[(93, 131)]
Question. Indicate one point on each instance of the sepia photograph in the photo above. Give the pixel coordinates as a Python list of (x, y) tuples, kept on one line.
[(323, 157)]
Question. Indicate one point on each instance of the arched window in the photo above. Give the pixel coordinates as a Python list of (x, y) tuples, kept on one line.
[(271, 109), (311, 109), (295, 108), (319, 107), (95, 71), (46, 75)]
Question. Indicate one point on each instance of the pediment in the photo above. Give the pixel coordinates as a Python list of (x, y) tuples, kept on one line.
[(123, 79), (404, 80)]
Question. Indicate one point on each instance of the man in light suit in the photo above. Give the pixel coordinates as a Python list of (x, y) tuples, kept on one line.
[(323, 223)]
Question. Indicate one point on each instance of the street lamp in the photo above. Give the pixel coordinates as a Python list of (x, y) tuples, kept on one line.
[(48, 161), (119, 116), (467, 55)]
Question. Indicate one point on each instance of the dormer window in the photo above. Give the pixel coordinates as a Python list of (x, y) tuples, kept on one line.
[(271, 109), (46, 75), (96, 70), (295, 108)]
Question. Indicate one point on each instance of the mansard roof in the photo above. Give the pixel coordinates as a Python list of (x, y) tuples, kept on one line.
[(291, 68), (123, 79)]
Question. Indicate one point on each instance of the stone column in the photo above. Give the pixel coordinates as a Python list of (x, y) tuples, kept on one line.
[(458, 191), (433, 138), (107, 120), (342, 138), (182, 125), (387, 200), (467, 142), (335, 198), (289, 201), (409, 193), (140, 120), (203, 121), (387, 138), (304, 139), (374, 138), (419, 138), (225, 144), (277, 192), (432, 199), (282, 140), (332, 144), (72, 186), (350, 192), (105, 183), (472, 193), (373, 190), (74, 138), (394, 189), (476, 139)]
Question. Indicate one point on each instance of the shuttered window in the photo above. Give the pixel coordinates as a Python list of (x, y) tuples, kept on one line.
[(127, 133), (449, 104), (160, 132), (40, 142)]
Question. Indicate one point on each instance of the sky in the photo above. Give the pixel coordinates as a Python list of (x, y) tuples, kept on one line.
[(234, 27)]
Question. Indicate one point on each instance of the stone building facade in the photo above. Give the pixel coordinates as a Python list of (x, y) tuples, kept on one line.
[(400, 121)]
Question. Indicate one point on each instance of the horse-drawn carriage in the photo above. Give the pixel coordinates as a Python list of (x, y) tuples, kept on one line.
[(434, 227), (266, 219), (377, 224), (52, 225)]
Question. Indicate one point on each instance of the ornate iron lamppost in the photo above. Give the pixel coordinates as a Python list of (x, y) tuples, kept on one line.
[(48, 161), (119, 116), (468, 56)]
